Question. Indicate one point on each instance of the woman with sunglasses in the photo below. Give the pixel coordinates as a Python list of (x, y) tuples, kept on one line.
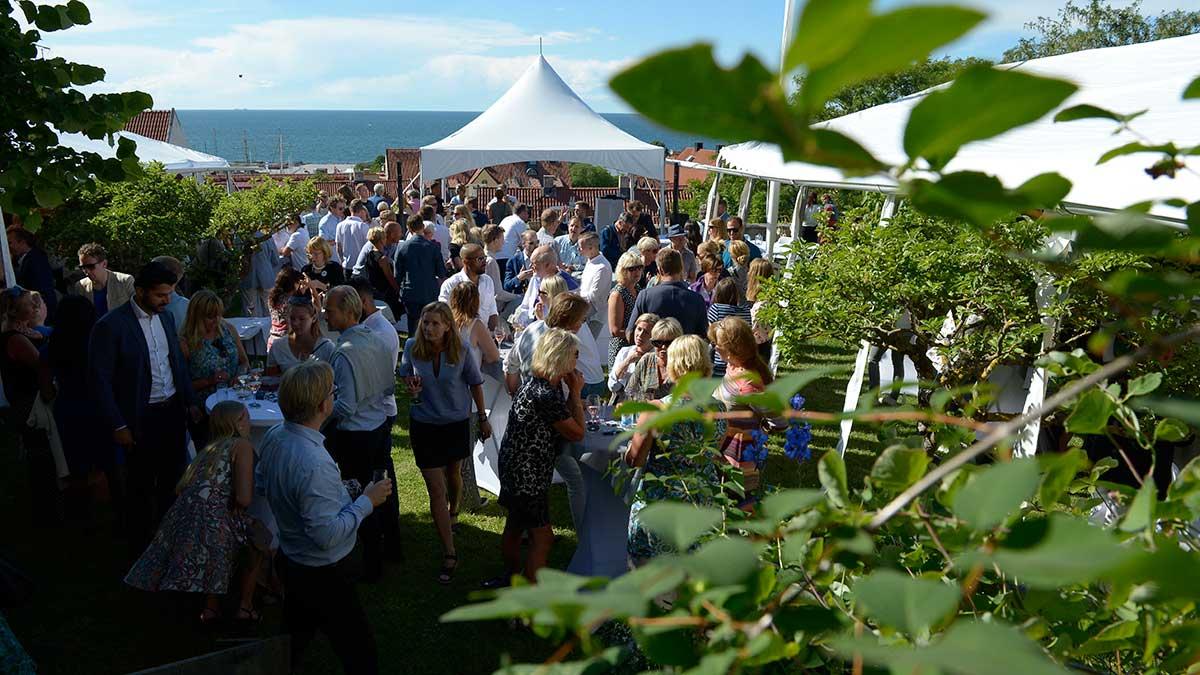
[(649, 380), (621, 300), (304, 339), (212, 350)]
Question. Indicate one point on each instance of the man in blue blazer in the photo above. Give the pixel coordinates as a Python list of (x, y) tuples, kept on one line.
[(517, 269), (419, 270), (144, 394)]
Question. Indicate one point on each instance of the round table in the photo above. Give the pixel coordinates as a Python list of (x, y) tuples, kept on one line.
[(265, 416), (253, 331)]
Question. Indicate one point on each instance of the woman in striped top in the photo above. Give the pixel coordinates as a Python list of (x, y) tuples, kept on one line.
[(726, 302)]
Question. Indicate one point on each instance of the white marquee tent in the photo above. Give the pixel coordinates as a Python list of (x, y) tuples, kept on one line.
[(174, 158), (1149, 76), (540, 118)]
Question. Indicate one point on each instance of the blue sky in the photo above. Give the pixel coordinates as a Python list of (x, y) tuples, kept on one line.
[(431, 56)]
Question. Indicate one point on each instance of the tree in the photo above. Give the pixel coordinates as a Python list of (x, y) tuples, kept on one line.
[(1097, 24), (41, 101), (888, 87), (589, 175), (373, 166)]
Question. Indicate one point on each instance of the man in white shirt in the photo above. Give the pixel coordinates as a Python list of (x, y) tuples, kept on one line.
[(548, 227), (597, 282), (474, 271), (441, 233), (460, 195), (295, 251), (328, 227), (379, 325), (352, 232), (513, 226)]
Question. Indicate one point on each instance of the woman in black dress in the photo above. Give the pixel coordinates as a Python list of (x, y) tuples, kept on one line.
[(539, 421), (322, 273)]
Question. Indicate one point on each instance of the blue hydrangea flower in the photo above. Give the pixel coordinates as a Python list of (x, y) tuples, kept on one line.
[(798, 438), (797, 402), (756, 450)]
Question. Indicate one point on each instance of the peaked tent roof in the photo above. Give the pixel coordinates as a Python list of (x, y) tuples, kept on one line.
[(540, 118), (1149, 76), (173, 157)]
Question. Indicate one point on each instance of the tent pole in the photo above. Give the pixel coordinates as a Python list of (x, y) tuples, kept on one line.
[(798, 213), (675, 196), (853, 389), (710, 206), (743, 211), (888, 210), (772, 215), (10, 277)]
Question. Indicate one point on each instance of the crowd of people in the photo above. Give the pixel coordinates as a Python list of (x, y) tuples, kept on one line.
[(558, 308)]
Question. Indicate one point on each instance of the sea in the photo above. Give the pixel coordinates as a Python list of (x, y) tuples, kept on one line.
[(351, 136)]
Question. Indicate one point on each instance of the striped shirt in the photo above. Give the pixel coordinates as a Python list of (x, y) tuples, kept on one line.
[(718, 311)]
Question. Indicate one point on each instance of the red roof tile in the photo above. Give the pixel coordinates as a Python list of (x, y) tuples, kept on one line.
[(154, 124), (703, 156)]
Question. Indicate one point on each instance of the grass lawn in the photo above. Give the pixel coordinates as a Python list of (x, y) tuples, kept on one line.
[(83, 620)]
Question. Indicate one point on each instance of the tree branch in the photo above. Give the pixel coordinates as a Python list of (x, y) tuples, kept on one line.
[(1006, 429)]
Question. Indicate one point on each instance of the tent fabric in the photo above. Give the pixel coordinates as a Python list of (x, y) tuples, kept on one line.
[(174, 158), (540, 118), (1149, 76)]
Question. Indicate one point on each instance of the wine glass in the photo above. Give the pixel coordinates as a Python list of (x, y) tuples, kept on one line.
[(239, 387), (255, 384), (593, 412)]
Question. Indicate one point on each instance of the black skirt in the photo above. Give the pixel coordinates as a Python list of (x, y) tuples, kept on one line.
[(438, 445)]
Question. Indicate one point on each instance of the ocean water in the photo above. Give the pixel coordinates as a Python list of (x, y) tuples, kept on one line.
[(322, 136)]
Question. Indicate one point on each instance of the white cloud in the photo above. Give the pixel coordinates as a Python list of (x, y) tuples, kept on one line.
[(317, 62)]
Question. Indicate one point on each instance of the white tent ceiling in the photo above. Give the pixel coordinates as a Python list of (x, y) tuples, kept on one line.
[(540, 118), (1127, 79), (174, 158)]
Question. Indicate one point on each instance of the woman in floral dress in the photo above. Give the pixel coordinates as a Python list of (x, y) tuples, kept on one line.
[(668, 455), (200, 535)]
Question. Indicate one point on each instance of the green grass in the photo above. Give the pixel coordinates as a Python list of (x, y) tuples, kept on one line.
[(84, 620)]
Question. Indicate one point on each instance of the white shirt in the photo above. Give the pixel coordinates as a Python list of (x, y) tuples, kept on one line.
[(297, 242), (615, 383), (487, 293), (328, 229), (546, 239), (162, 381), (441, 234), (513, 226), (351, 237), (493, 271), (378, 324), (596, 284), (589, 363), (280, 238)]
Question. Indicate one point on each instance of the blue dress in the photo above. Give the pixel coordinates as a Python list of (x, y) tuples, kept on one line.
[(212, 355)]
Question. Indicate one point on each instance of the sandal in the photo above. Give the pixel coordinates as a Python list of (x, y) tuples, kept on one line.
[(248, 615), (446, 575), (209, 617)]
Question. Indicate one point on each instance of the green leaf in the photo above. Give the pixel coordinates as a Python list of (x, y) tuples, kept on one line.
[(1109, 638), (906, 603), (635, 408), (79, 12), (784, 504), (1091, 413), (724, 561), (1141, 512), (768, 647), (778, 394), (679, 524), (982, 102), (1058, 470), (898, 467), (1170, 430), (670, 647), (981, 198), (1135, 147), (1142, 385), (1193, 89), (663, 86), (1128, 230), (1058, 551), (890, 42), (715, 663), (832, 148), (967, 647), (47, 194), (832, 472), (808, 618), (84, 75), (996, 493), (1188, 411), (1085, 112), (814, 44)]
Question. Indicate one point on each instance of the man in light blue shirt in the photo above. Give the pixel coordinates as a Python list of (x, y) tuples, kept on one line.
[(317, 520), (568, 245), (361, 440), (329, 224)]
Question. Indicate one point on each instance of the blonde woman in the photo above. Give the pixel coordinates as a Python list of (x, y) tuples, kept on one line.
[(717, 231), (304, 339), (648, 247), (649, 380), (539, 422), (460, 235), (210, 344), (201, 534), (761, 269), (321, 272), (739, 254), (444, 379), (621, 300), (375, 267), (547, 291)]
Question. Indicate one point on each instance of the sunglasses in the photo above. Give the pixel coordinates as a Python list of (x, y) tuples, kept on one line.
[(89, 266), (661, 344)]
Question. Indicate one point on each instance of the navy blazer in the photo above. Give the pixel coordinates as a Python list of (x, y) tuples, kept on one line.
[(34, 274), (512, 268), (119, 367), (419, 270), (610, 245)]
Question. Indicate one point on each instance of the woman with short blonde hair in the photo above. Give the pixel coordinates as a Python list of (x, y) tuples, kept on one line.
[(547, 291), (649, 380), (321, 271), (717, 231), (739, 255), (621, 300), (688, 354)]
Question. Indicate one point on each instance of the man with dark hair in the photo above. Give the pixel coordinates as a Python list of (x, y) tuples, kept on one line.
[(500, 207), (474, 271), (32, 267), (736, 229), (177, 308), (144, 395), (480, 217), (106, 289), (583, 211), (419, 270), (329, 224), (514, 226), (363, 193), (352, 233), (617, 238), (671, 297), (643, 222)]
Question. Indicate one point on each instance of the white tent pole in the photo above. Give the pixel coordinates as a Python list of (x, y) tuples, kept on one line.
[(789, 33), (772, 215), (853, 389), (798, 213), (888, 210), (10, 277), (744, 202), (710, 205)]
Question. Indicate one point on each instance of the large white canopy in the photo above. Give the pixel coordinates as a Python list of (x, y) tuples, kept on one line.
[(540, 118), (174, 158), (1149, 76)]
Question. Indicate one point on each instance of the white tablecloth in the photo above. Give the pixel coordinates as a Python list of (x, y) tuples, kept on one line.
[(265, 416), (253, 331)]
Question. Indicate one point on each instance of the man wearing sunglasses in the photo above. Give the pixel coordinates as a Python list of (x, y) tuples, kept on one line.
[(106, 289), (737, 232)]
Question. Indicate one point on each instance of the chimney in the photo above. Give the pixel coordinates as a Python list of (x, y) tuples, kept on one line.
[(699, 145)]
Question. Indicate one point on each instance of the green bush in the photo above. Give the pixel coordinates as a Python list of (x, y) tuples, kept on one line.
[(589, 175)]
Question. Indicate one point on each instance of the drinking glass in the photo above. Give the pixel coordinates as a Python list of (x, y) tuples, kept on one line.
[(255, 384), (378, 475), (593, 412)]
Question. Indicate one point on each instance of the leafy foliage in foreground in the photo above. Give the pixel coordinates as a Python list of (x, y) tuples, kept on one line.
[(943, 561)]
